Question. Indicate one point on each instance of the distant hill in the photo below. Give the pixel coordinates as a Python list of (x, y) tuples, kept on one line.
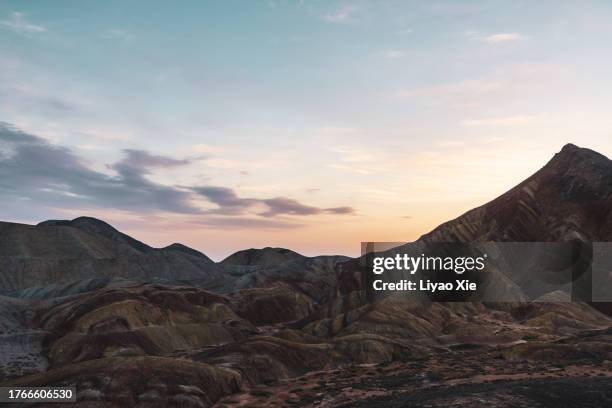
[(84, 248), (186, 250), (261, 257), (101, 228)]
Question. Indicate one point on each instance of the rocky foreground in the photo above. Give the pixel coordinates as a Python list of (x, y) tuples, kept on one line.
[(155, 345), (472, 375)]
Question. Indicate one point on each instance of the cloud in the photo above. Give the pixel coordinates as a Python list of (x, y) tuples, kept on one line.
[(33, 169), (18, 24), (143, 160), (343, 15), (393, 54), (226, 199), (288, 206), (245, 222), (503, 37), (340, 210), (284, 205), (229, 203)]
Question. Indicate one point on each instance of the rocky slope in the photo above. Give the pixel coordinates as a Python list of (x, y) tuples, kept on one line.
[(569, 198)]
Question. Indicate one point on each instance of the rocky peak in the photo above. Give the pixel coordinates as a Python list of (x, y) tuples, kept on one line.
[(569, 198), (185, 249), (579, 161), (99, 227)]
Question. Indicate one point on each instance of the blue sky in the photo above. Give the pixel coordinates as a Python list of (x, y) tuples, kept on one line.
[(408, 113)]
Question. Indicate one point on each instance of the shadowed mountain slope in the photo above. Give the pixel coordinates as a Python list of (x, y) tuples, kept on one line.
[(56, 252), (101, 228)]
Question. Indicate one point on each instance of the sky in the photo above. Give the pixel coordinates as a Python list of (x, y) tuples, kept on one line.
[(310, 125)]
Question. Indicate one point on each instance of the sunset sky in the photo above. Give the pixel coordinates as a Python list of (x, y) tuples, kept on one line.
[(311, 125)]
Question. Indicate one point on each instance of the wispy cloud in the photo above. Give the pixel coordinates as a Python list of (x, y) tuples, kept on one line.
[(342, 15), (250, 223), (20, 25), (229, 203), (503, 37)]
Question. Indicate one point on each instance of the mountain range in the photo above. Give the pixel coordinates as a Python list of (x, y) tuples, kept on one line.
[(132, 325)]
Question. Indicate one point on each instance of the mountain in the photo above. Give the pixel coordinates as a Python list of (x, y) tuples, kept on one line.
[(186, 250), (59, 252), (569, 198), (100, 228)]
